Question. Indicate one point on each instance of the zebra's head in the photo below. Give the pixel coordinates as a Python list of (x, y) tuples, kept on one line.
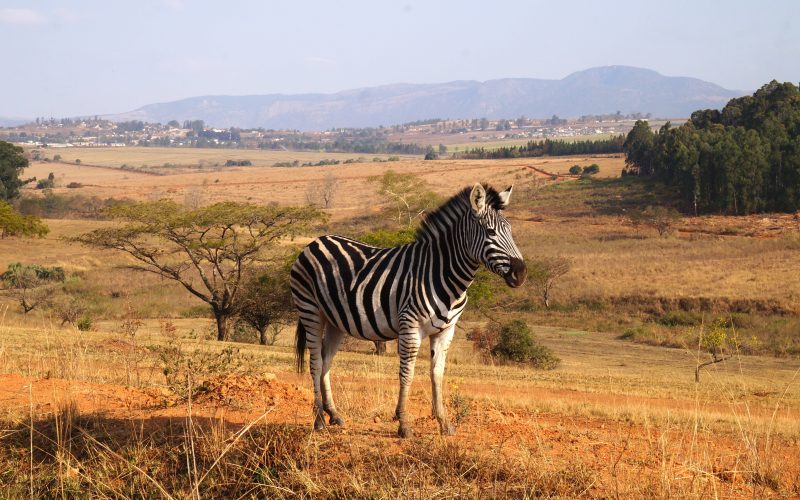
[(493, 244)]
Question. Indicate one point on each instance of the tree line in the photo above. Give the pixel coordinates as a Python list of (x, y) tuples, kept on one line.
[(346, 145), (743, 159), (547, 147)]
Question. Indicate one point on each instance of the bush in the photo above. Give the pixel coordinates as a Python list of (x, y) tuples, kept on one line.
[(680, 318), (575, 169), (516, 343), (592, 169), (74, 185), (238, 163), (387, 238), (84, 324)]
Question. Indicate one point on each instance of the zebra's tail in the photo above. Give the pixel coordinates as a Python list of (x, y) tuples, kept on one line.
[(300, 346)]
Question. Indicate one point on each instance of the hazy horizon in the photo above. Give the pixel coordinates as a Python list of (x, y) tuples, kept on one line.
[(100, 58)]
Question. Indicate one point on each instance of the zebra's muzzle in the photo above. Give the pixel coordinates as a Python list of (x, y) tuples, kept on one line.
[(517, 274)]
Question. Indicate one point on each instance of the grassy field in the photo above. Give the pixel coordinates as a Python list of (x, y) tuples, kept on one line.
[(493, 143), (93, 412), (206, 157), (104, 411)]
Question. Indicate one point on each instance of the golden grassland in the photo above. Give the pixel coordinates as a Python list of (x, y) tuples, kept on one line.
[(93, 411), (208, 157), (289, 185), (608, 421)]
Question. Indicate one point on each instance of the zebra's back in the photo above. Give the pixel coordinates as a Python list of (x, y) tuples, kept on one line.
[(358, 287)]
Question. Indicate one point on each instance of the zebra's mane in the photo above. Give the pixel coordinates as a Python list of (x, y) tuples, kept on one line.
[(454, 207)]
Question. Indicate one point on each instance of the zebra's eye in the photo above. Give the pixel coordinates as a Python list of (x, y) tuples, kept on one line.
[(491, 232)]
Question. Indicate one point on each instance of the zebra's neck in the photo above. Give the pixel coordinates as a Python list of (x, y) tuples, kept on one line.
[(445, 237)]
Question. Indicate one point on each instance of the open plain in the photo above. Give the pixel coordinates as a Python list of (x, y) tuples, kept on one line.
[(100, 411)]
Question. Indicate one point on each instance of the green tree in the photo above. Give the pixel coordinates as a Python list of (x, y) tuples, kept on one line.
[(407, 193), (714, 340), (12, 163), (266, 301), (13, 223), (207, 250), (430, 154), (638, 148)]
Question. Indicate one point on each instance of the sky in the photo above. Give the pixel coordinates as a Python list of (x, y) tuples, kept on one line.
[(86, 57)]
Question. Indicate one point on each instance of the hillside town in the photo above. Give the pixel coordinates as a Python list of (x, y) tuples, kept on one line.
[(99, 132)]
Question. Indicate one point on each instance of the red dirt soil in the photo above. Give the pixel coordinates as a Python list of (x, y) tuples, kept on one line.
[(614, 450)]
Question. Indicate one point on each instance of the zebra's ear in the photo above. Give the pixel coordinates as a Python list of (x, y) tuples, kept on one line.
[(477, 198), (505, 196)]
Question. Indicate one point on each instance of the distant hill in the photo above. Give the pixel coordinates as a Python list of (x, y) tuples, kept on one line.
[(593, 91), (12, 122)]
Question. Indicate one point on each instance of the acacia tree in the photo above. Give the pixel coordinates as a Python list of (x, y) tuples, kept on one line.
[(544, 273), (31, 285), (408, 193), (207, 250)]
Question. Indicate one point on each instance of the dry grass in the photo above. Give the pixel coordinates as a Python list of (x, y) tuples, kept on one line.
[(91, 411), (284, 185), (209, 157), (524, 433)]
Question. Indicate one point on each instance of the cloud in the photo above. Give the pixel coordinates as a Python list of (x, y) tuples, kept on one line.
[(21, 16)]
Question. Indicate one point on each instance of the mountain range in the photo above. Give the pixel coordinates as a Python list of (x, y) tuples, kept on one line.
[(601, 90)]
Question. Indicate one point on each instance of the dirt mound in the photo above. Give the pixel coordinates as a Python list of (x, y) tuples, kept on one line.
[(247, 392)]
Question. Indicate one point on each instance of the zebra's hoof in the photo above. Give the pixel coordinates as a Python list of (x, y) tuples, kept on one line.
[(319, 424), (336, 420), (405, 431)]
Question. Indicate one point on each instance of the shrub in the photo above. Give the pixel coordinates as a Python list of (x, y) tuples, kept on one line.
[(591, 169), (516, 343), (238, 163), (662, 219), (74, 185), (680, 318), (575, 169), (389, 238), (84, 324)]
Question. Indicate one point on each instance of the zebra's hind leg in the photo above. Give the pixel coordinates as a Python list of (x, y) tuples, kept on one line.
[(314, 327), (330, 344), (407, 347), (440, 343)]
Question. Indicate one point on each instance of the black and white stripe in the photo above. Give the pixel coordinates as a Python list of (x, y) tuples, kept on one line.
[(342, 286)]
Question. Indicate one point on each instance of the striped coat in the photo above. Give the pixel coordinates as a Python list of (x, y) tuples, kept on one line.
[(344, 287)]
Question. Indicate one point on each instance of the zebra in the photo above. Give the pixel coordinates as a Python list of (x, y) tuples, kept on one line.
[(341, 286)]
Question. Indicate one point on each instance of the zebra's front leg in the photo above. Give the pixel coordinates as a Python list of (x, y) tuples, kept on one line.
[(407, 348), (440, 343), (330, 344)]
